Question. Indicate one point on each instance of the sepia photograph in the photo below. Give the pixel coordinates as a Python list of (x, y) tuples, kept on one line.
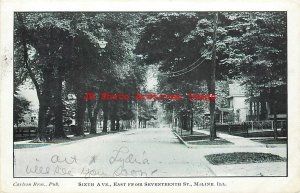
[(161, 94)]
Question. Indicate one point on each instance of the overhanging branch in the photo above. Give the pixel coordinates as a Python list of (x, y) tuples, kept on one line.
[(25, 55)]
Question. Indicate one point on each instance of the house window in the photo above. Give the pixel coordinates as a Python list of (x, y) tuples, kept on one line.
[(32, 119), (231, 103)]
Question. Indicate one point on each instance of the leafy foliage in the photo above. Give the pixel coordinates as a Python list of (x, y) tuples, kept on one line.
[(61, 54), (21, 107)]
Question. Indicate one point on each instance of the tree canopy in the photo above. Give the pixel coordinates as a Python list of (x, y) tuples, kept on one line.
[(60, 53)]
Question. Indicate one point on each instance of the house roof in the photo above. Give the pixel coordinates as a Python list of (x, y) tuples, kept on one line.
[(236, 90)]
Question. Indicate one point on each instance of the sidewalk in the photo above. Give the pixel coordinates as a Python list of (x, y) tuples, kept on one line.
[(241, 144), (236, 140)]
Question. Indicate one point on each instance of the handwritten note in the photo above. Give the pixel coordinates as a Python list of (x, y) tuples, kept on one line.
[(123, 158), (120, 163)]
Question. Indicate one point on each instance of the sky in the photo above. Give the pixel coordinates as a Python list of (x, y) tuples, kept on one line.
[(29, 93), (151, 82)]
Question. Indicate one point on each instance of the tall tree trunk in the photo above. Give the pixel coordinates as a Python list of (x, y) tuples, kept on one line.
[(44, 102), (113, 116), (118, 124), (137, 115), (185, 125), (80, 110), (212, 81), (275, 120), (181, 124), (93, 115), (273, 97), (112, 123), (105, 116), (41, 122), (192, 123), (93, 121), (58, 110)]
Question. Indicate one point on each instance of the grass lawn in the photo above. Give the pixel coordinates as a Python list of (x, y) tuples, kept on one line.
[(203, 139), (21, 146), (195, 137), (271, 141), (258, 134), (208, 142), (242, 158)]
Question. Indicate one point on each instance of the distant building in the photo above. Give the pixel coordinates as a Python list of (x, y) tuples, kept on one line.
[(237, 102)]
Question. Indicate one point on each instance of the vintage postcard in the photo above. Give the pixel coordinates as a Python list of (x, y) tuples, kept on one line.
[(128, 96)]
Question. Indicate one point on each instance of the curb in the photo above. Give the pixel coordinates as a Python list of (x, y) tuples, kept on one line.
[(181, 140), (227, 146)]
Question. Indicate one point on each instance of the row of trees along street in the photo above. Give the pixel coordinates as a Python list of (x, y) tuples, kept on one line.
[(196, 49), (60, 54)]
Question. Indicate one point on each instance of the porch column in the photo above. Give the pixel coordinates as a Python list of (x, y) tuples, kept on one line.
[(251, 112), (257, 110)]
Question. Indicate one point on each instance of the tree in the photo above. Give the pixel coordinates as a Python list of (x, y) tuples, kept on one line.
[(118, 72), (260, 54), (21, 105), (61, 55), (53, 43), (166, 41), (50, 42), (233, 44)]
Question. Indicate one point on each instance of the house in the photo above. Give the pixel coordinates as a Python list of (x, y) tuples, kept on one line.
[(237, 102), (257, 111), (237, 109), (270, 101)]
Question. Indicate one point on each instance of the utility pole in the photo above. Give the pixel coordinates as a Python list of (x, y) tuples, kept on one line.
[(173, 115), (212, 81)]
